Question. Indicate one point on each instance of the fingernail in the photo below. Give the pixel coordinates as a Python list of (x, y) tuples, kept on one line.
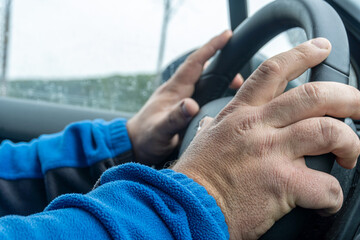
[(321, 43), (201, 123), (185, 111)]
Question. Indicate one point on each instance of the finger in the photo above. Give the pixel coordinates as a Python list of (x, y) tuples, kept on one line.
[(316, 190), (271, 78), (178, 118), (314, 100), (316, 136), (204, 123), (190, 71), (237, 82)]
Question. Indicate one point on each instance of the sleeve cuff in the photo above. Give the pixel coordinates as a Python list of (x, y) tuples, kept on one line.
[(204, 197), (119, 141)]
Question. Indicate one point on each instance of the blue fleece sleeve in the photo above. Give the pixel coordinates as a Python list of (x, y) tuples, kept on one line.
[(81, 144), (132, 202)]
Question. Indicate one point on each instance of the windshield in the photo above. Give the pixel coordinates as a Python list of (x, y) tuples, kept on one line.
[(106, 54), (100, 54)]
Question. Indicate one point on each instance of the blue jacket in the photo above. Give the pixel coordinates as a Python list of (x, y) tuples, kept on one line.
[(131, 201)]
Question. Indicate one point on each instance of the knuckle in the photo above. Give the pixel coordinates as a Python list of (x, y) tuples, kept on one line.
[(247, 121), (226, 111), (190, 61), (169, 89), (357, 145), (271, 66), (329, 132), (284, 178), (193, 61), (200, 56), (301, 53), (267, 144), (163, 88), (335, 193), (355, 94), (334, 186), (314, 93), (210, 48)]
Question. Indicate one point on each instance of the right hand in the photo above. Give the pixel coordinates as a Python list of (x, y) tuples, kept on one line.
[(250, 158)]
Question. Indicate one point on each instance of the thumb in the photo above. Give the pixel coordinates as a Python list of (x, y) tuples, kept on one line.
[(179, 117)]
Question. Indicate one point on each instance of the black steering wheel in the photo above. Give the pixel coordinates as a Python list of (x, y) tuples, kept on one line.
[(318, 19)]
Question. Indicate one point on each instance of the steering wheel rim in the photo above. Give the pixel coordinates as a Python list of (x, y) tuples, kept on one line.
[(312, 16), (264, 25)]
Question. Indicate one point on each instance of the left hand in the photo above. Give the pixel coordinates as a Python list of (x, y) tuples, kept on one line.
[(154, 129)]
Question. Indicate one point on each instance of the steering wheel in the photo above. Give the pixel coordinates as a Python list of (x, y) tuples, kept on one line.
[(318, 19)]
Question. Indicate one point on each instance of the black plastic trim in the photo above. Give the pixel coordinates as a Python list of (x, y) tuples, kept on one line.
[(23, 120), (238, 12)]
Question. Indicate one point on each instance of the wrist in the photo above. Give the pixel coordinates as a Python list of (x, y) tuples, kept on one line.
[(201, 190), (132, 137), (214, 184)]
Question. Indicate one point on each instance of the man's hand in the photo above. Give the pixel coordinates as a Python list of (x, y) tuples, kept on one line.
[(250, 158), (154, 130)]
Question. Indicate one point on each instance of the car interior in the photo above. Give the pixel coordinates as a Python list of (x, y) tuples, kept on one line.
[(338, 20)]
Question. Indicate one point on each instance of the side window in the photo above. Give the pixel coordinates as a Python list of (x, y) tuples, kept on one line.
[(99, 54), (282, 42)]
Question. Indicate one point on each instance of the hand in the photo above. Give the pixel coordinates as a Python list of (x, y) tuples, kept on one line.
[(250, 158), (154, 129)]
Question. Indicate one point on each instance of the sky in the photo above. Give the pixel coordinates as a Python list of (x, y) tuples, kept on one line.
[(52, 39)]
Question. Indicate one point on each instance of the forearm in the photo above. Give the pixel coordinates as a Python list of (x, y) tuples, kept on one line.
[(132, 201), (32, 174)]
